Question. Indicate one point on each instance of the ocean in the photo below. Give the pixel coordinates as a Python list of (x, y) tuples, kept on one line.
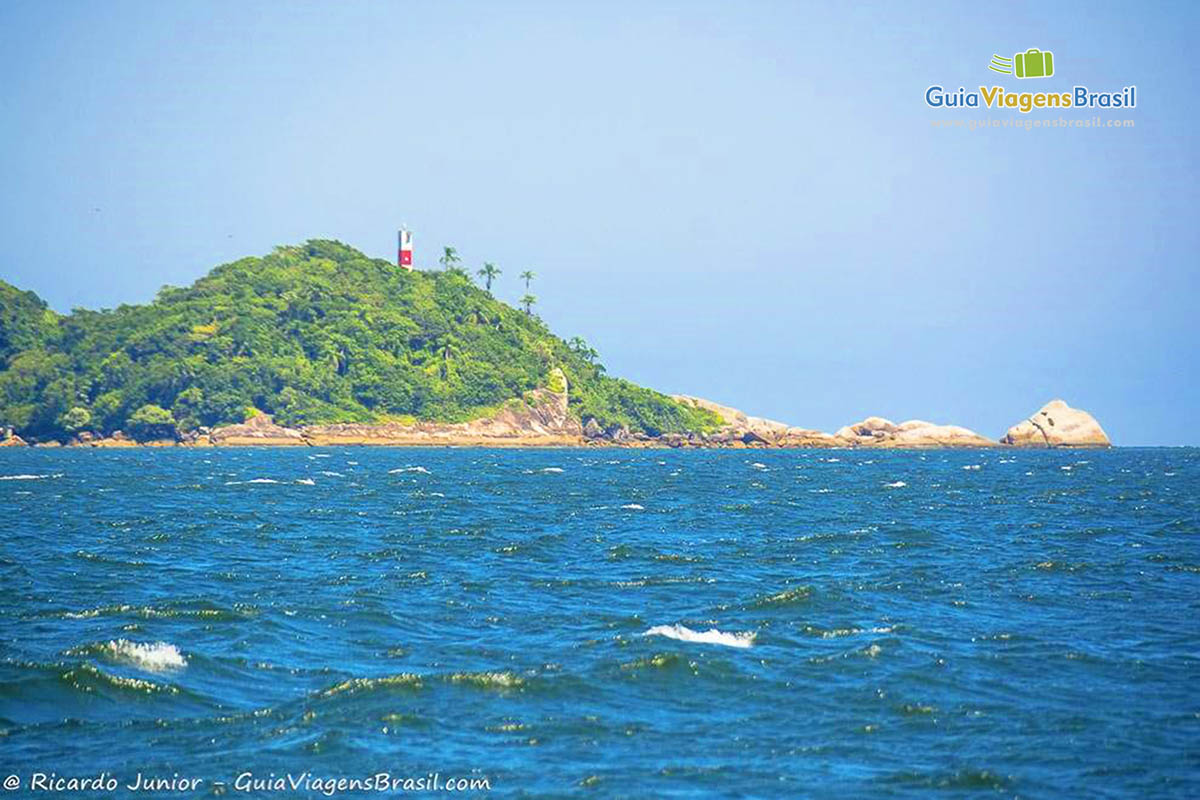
[(601, 622)]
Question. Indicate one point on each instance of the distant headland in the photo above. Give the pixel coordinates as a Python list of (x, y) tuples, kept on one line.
[(316, 344)]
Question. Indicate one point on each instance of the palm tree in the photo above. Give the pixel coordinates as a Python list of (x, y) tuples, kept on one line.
[(528, 301), (448, 349), (527, 276), (449, 259), (578, 345), (488, 273)]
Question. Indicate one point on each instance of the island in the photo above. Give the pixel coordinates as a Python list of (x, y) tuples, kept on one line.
[(317, 344)]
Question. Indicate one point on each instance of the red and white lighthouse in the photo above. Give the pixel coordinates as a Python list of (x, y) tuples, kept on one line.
[(404, 252)]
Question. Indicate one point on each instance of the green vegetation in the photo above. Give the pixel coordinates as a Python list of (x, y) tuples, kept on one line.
[(311, 333)]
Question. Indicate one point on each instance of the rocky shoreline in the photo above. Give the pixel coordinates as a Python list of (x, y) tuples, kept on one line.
[(542, 419)]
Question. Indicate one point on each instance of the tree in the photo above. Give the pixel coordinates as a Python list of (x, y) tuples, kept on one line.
[(151, 422), (527, 276), (527, 302), (579, 346), (77, 419), (450, 259), (489, 272), (447, 349)]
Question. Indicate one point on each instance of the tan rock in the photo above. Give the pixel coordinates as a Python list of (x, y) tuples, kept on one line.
[(916, 433), (540, 419), (259, 430), (12, 440), (806, 437), (118, 439), (738, 422), (929, 435), (1056, 424)]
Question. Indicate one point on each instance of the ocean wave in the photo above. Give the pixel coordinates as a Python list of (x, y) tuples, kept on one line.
[(149, 656), (656, 661), (836, 633), (252, 480), (797, 594), (87, 678), (26, 477), (331, 474), (412, 682), (404, 680), (710, 636), (398, 470), (151, 612), (552, 469), (633, 507), (97, 558), (306, 481), (896, 485), (487, 680)]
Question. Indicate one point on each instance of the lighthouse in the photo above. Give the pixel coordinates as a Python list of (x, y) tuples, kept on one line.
[(404, 250)]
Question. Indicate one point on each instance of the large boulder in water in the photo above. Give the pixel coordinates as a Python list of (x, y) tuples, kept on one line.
[(880, 432), (1058, 425)]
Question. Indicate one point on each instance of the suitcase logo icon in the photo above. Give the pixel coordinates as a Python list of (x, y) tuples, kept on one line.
[(1033, 63)]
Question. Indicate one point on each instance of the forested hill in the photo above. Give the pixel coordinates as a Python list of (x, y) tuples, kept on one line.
[(311, 333)]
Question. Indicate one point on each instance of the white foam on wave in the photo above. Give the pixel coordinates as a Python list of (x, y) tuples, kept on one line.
[(759, 465), (973, 466), (896, 484), (552, 469), (330, 473), (306, 481), (150, 656), (710, 636), (634, 507), (398, 470), (29, 477), (252, 480)]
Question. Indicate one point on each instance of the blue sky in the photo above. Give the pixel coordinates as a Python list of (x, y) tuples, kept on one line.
[(742, 201)]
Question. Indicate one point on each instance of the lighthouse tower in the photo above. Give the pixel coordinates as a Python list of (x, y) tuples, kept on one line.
[(404, 251)]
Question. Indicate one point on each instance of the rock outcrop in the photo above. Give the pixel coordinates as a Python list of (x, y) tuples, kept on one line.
[(117, 439), (260, 429), (916, 433), (1056, 424), (10, 439), (737, 420), (541, 418), (742, 429)]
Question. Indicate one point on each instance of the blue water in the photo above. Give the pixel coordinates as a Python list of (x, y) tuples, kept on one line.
[(946, 623)]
